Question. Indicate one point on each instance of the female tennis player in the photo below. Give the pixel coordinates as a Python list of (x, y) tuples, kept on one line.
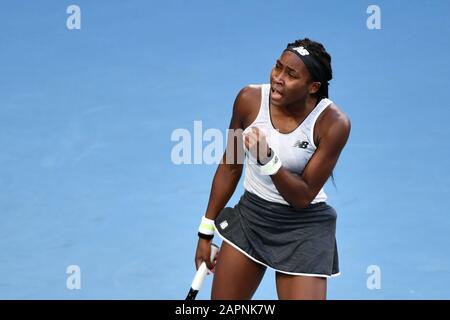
[(290, 136)]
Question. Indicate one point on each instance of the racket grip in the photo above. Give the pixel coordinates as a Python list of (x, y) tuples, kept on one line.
[(203, 270), (214, 250)]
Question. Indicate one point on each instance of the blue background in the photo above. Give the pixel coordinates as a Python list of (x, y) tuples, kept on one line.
[(86, 116)]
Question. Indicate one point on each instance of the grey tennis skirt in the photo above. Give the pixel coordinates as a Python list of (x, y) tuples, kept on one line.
[(286, 239)]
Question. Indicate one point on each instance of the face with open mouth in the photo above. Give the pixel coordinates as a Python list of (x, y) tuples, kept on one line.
[(290, 81)]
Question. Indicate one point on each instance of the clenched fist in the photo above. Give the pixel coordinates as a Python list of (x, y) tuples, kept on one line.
[(256, 143)]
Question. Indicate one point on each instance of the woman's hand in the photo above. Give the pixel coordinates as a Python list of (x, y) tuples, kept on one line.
[(203, 253), (256, 143)]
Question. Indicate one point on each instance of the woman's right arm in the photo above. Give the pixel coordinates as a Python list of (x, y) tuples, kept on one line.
[(229, 171)]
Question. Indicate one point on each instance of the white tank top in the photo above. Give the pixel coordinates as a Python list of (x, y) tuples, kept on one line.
[(294, 149)]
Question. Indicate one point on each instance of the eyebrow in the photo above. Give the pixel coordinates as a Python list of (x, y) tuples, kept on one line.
[(289, 68)]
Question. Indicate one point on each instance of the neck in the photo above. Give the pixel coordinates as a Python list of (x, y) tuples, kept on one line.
[(300, 107)]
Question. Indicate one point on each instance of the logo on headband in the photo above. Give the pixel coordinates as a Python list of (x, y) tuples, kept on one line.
[(301, 50)]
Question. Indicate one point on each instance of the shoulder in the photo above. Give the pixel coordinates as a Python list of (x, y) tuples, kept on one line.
[(334, 123), (246, 105)]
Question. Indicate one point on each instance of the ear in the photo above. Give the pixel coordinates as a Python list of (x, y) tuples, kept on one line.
[(314, 87)]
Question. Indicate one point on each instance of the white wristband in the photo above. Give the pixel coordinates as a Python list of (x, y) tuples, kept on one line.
[(206, 226), (272, 166)]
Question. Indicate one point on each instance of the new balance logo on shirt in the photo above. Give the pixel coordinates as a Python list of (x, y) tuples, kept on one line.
[(301, 144)]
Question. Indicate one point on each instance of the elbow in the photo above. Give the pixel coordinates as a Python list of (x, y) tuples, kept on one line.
[(301, 202)]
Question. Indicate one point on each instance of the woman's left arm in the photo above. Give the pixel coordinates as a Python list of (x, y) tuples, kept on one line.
[(299, 191)]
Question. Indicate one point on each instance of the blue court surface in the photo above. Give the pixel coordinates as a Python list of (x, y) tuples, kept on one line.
[(87, 177)]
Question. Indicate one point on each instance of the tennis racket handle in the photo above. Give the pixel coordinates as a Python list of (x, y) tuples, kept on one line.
[(203, 270)]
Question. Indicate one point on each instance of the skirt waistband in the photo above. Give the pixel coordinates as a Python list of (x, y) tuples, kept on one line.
[(265, 203)]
